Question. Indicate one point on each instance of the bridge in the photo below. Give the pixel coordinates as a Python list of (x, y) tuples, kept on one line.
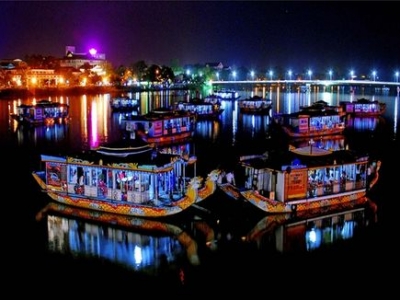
[(305, 85), (349, 82)]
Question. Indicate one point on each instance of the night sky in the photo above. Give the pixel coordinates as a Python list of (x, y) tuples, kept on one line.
[(363, 36)]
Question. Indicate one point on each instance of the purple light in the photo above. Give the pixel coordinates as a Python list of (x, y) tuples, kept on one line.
[(92, 51)]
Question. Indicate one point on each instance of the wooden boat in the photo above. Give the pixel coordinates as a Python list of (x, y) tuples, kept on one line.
[(303, 179), (203, 110), (312, 121), (363, 107), (124, 104), (72, 229), (213, 99), (255, 105), (142, 184), (162, 126), (44, 112), (227, 94)]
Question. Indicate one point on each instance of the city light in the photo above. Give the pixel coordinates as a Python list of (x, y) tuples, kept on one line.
[(270, 74), (397, 76), (330, 75), (290, 74), (351, 74), (309, 74), (374, 75), (234, 75), (252, 75)]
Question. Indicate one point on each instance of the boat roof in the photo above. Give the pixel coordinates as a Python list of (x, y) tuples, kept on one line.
[(303, 158), (138, 152), (312, 112), (255, 98), (162, 114), (44, 103)]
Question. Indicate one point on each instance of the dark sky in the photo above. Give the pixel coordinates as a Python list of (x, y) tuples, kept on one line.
[(255, 34)]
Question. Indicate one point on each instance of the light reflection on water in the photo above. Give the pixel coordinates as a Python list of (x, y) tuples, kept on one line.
[(92, 123)]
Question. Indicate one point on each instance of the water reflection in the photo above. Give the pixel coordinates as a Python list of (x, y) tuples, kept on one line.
[(137, 243), (297, 233), (363, 123), (54, 133)]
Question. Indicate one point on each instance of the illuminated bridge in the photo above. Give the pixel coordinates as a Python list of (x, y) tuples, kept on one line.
[(310, 83)]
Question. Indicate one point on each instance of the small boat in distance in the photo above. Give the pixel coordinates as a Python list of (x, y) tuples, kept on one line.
[(144, 183), (363, 107), (255, 105), (303, 179), (44, 112), (315, 120), (124, 104), (213, 99), (203, 110), (227, 94), (161, 126)]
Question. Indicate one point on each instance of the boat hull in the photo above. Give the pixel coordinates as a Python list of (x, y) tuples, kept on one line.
[(302, 205), (311, 133), (158, 208)]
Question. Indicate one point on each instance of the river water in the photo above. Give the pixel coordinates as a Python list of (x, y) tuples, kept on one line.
[(221, 247)]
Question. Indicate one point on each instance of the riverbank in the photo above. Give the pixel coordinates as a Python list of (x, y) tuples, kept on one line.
[(45, 92), (78, 90)]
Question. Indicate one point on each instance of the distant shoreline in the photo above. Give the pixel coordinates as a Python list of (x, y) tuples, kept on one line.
[(44, 92)]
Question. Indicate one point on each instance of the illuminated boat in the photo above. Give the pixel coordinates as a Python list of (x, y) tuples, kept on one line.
[(144, 183), (203, 110), (255, 105), (363, 107), (227, 94), (124, 104), (302, 179), (315, 120), (213, 99), (162, 126), (44, 112)]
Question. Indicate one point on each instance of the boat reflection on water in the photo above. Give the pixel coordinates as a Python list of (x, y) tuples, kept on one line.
[(331, 143), (354, 125), (288, 233), (53, 133), (361, 124), (139, 244)]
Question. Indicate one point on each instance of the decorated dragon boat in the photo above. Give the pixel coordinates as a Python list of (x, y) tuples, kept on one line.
[(143, 182), (315, 120), (303, 179)]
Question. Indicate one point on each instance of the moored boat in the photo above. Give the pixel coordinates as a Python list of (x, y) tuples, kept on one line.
[(303, 179), (142, 184), (225, 94), (255, 105), (213, 99), (203, 110), (44, 112), (312, 121), (363, 107), (124, 104), (162, 126)]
